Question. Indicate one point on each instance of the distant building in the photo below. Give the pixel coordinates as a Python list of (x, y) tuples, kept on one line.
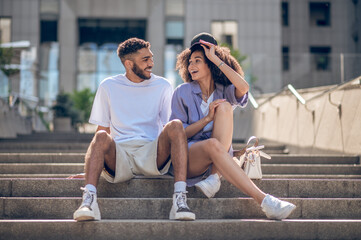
[(294, 41), (321, 42)]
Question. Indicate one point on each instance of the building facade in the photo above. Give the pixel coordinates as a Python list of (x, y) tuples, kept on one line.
[(73, 42), (321, 42)]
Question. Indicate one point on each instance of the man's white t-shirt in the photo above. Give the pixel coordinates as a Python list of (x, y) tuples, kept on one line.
[(133, 111)]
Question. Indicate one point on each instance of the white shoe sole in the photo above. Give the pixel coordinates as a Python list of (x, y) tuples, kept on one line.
[(183, 216), (204, 190), (285, 213), (80, 215)]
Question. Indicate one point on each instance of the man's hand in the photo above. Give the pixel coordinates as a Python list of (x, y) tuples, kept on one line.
[(76, 176)]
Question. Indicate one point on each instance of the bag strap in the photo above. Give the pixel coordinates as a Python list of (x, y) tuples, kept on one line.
[(243, 150)]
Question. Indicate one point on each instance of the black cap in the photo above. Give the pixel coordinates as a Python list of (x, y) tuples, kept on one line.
[(203, 36)]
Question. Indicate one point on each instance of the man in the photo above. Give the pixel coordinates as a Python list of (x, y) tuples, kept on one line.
[(130, 111)]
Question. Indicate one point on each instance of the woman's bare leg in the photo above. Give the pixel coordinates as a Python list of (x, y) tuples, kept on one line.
[(204, 153), (223, 127)]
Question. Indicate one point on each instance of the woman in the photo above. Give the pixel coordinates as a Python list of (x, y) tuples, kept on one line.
[(214, 83)]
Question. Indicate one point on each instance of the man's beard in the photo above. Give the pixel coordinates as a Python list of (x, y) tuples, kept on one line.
[(139, 72)]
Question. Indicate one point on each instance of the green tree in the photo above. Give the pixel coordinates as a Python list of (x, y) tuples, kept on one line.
[(240, 59), (6, 57), (64, 107), (83, 101)]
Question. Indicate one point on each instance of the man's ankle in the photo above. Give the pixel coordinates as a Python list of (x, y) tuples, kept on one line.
[(180, 186), (91, 188)]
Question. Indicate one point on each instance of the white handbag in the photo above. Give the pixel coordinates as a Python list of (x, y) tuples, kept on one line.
[(250, 159)]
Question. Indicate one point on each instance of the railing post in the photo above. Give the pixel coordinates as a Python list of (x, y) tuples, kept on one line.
[(342, 67)]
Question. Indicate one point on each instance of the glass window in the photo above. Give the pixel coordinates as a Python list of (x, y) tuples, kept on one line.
[(48, 82), (48, 31), (285, 59), (226, 32), (174, 30), (175, 40), (320, 58), (5, 30), (101, 31), (174, 8), (98, 42), (320, 14), (284, 11)]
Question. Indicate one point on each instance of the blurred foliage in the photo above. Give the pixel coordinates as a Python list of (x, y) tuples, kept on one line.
[(83, 101), (64, 107), (240, 59), (6, 55)]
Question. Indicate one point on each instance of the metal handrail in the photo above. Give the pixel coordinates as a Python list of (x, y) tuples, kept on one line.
[(337, 87), (300, 98), (257, 105)]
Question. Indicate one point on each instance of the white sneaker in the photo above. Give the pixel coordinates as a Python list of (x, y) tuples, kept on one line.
[(275, 208), (209, 186), (89, 209), (180, 209)]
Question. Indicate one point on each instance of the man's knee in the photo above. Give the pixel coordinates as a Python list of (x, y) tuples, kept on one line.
[(102, 139), (175, 129), (224, 108)]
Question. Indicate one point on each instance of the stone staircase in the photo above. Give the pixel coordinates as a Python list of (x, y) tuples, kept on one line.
[(37, 201)]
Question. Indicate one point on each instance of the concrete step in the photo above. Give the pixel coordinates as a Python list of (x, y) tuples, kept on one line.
[(59, 168), (73, 146), (269, 148), (79, 158), (31, 147), (217, 229), (344, 169), (42, 168), (265, 176), (301, 176), (142, 187), (158, 208), (52, 137), (42, 157), (310, 159)]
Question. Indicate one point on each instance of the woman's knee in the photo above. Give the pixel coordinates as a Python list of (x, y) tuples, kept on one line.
[(224, 108), (213, 145)]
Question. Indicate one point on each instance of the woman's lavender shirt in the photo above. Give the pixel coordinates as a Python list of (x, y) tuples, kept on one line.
[(186, 105)]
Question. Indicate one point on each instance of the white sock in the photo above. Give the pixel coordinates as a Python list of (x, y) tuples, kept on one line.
[(91, 188), (180, 186)]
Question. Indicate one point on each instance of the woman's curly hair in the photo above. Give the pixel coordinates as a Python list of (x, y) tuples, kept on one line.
[(218, 76)]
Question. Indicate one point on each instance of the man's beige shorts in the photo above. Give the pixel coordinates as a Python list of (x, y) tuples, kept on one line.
[(136, 157)]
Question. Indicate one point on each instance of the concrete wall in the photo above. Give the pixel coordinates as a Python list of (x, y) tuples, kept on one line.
[(319, 128), (11, 123)]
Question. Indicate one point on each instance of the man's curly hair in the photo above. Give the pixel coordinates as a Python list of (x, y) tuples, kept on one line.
[(218, 76), (130, 46)]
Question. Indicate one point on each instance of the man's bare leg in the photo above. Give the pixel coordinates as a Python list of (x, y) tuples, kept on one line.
[(173, 141), (101, 150)]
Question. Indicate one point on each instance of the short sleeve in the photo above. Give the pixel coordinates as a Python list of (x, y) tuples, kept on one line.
[(179, 109), (231, 97), (100, 114), (165, 111)]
